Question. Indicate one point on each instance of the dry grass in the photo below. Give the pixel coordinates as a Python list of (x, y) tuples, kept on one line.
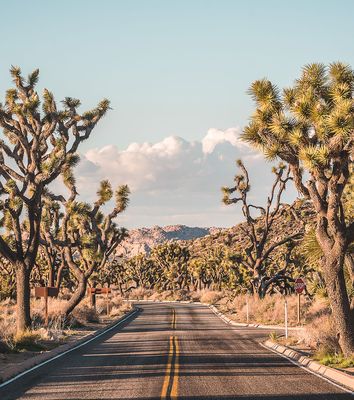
[(59, 327), (319, 331), (269, 310), (210, 296)]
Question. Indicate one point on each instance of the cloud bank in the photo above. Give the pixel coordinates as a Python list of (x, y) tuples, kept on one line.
[(175, 180)]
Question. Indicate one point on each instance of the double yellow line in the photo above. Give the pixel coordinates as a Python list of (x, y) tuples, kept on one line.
[(173, 324), (170, 384)]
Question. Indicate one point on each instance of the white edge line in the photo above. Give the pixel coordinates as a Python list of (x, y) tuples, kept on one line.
[(67, 351), (294, 362), (308, 370)]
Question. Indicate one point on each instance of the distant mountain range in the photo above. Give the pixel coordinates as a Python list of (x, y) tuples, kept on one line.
[(142, 240), (198, 239)]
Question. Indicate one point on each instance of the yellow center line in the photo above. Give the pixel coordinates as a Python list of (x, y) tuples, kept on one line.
[(170, 384), (168, 371), (174, 389), (173, 324)]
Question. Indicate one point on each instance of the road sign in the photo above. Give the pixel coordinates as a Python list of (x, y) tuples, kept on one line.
[(299, 285), (103, 290), (45, 292)]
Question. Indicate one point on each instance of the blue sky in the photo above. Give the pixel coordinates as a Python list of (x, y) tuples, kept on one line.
[(169, 67)]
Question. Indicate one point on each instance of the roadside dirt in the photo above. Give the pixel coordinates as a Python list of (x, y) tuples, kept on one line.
[(9, 362)]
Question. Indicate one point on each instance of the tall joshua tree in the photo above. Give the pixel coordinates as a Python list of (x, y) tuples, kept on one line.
[(36, 146), (172, 259), (310, 127), (87, 238), (260, 231)]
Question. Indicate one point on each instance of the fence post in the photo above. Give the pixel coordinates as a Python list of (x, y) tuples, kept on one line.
[(286, 316)]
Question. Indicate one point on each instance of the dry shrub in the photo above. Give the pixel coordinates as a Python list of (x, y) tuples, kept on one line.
[(116, 301), (166, 295), (181, 295), (195, 296), (117, 311), (27, 340), (155, 296), (7, 322), (138, 294), (269, 310), (84, 314), (210, 296), (320, 331)]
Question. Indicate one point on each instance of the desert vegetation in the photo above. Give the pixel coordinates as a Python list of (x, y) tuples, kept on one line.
[(54, 239), (47, 238)]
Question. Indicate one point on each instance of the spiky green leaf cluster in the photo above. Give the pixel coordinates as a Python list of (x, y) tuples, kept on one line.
[(313, 121)]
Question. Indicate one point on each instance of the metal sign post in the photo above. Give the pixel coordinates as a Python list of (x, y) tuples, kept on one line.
[(299, 288), (286, 317)]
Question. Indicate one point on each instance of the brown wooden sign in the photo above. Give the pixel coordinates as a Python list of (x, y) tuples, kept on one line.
[(104, 290), (46, 291)]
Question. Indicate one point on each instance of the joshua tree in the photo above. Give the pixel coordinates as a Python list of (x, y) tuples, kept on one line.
[(141, 270), (7, 279), (218, 263), (311, 127), (87, 237), (114, 272), (37, 146), (260, 231), (172, 259)]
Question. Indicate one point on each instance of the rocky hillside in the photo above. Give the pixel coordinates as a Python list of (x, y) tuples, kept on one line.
[(199, 239), (144, 239), (235, 238)]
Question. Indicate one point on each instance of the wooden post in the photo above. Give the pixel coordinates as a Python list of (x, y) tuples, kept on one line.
[(298, 308), (107, 301), (45, 306), (93, 300), (286, 317), (247, 310)]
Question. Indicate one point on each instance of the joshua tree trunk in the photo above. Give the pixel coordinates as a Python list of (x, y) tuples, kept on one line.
[(78, 295), (349, 262), (343, 316), (23, 298)]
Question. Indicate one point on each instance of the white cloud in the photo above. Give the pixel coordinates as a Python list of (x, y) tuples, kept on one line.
[(217, 136), (173, 180)]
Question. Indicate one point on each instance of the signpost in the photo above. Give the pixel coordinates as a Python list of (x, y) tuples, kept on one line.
[(45, 292), (247, 309), (299, 288), (93, 291), (286, 316)]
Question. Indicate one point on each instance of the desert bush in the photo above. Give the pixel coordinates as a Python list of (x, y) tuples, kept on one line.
[(210, 296), (117, 311), (181, 295), (195, 296), (138, 294), (269, 310), (27, 340), (155, 296), (84, 314), (330, 357)]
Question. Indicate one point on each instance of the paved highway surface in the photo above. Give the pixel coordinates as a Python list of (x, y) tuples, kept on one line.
[(173, 351)]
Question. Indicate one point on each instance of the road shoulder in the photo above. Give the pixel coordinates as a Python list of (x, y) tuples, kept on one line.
[(44, 358)]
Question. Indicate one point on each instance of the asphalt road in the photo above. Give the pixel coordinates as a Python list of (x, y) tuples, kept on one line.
[(173, 351)]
